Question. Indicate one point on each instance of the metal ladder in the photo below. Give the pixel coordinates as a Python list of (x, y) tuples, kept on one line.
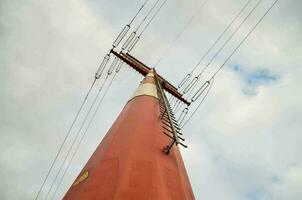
[(169, 123)]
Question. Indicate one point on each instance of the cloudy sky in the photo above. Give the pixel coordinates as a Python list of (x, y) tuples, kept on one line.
[(245, 141)]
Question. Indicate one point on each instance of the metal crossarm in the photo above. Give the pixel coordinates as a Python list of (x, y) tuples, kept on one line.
[(144, 69)]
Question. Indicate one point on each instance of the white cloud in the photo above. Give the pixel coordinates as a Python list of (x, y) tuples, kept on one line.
[(287, 185), (240, 147)]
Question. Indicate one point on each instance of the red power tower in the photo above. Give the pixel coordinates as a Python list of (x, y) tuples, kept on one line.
[(139, 157)]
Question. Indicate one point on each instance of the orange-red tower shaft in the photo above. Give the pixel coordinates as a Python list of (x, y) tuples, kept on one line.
[(129, 163)]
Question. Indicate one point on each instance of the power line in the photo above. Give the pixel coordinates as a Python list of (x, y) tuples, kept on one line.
[(125, 30), (133, 34), (228, 58), (212, 78), (245, 38), (153, 17), (83, 135), (145, 18), (134, 40), (187, 77), (140, 9), (183, 83), (196, 78), (97, 76), (64, 141), (109, 72), (181, 32), (223, 32), (77, 134)]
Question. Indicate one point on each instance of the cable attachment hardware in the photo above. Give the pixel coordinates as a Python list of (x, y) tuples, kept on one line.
[(183, 115), (129, 40), (184, 81), (191, 84), (200, 91), (119, 66), (134, 42), (121, 36), (113, 65), (102, 66)]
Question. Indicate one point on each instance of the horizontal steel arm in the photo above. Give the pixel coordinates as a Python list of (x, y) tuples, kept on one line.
[(143, 70)]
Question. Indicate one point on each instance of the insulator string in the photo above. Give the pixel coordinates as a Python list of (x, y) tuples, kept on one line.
[(125, 30), (202, 101)]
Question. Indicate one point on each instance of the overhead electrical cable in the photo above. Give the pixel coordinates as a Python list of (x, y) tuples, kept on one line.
[(140, 9), (183, 84), (232, 53), (190, 87), (133, 34), (77, 135), (84, 134), (196, 78), (97, 76), (153, 17), (245, 38), (187, 77), (193, 83), (64, 140), (147, 15), (125, 30), (134, 41), (177, 37)]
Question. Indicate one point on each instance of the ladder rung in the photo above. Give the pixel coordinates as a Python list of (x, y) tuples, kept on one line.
[(167, 129), (166, 123), (185, 146), (168, 135)]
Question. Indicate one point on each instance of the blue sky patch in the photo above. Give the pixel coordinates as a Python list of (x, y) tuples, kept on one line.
[(261, 77), (255, 195), (255, 78)]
